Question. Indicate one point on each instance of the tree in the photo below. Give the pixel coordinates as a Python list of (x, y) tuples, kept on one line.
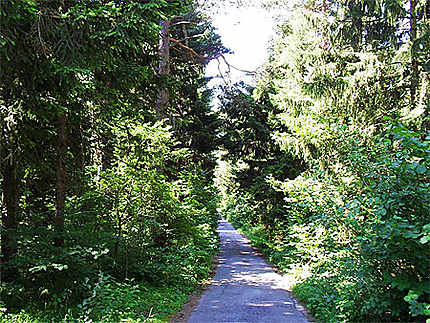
[(163, 68), (90, 181), (340, 88)]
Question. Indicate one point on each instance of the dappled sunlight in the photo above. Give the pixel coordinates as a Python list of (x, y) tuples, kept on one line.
[(224, 231), (240, 263), (257, 276), (246, 286), (260, 305)]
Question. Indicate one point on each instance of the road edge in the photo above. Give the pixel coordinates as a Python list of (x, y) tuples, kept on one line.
[(300, 306), (188, 308)]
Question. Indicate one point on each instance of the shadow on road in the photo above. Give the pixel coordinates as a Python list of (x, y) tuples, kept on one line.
[(245, 288)]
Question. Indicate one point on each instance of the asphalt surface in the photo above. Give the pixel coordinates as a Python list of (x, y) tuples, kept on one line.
[(245, 288)]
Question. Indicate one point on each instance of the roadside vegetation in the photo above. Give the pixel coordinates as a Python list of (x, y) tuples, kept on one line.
[(109, 147), (327, 159), (108, 207)]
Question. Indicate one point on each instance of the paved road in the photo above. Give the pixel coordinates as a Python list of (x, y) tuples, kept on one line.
[(245, 288)]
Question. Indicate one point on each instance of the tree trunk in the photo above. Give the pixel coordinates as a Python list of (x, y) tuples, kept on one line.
[(163, 70), (324, 10), (61, 180), (414, 60), (9, 220), (357, 25), (77, 145), (425, 102)]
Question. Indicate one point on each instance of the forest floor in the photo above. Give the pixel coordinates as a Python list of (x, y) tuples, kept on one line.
[(245, 288)]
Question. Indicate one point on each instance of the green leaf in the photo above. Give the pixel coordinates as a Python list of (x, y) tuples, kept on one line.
[(425, 239), (38, 268), (412, 296), (421, 169)]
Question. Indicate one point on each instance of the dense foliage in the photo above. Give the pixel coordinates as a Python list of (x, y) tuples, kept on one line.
[(108, 211), (337, 191), (108, 149)]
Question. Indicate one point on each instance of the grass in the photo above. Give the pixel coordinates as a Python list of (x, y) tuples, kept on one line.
[(111, 300), (120, 302)]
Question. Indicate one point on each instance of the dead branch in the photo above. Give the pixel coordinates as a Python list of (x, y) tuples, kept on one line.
[(209, 58)]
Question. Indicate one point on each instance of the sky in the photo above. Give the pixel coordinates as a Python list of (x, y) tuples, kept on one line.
[(245, 31)]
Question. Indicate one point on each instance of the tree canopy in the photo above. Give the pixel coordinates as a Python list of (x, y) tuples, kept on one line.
[(331, 153), (110, 146)]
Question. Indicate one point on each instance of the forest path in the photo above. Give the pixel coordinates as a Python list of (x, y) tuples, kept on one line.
[(245, 288)]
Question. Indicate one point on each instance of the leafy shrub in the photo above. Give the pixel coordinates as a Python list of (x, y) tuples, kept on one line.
[(355, 243), (136, 224)]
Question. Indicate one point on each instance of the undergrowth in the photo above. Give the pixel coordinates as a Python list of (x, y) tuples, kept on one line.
[(111, 300), (114, 301)]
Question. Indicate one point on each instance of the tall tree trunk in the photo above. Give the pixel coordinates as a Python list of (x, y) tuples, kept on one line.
[(324, 10), (163, 69), (357, 26), (9, 219), (414, 60), (77, 146), (61, 180), (425, 102)]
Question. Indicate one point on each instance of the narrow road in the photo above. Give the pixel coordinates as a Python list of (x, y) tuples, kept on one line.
[(245, 288)]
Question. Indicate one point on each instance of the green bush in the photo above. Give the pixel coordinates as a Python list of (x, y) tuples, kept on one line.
[(135, 226), (356, 243)]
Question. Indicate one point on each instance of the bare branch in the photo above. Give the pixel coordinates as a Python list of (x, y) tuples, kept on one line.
[(210, 58), (191, 37), (192, 51)]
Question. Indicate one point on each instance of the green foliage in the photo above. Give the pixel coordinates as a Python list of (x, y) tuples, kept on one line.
[(343, 254), (350, 230), (131, 223), (110, 300), (113, 301), (140, 210)]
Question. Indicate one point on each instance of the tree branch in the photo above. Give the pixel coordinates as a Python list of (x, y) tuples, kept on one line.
[(209, 58), (192, 51)]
